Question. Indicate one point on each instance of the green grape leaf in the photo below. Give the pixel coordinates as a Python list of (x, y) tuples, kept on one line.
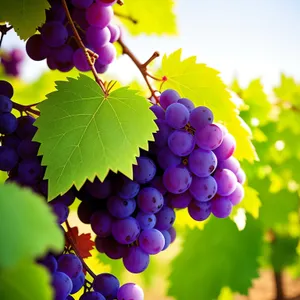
[(214, 257), (203, 86), (148, 16), (251, 202), (83, 134), (28, 228), (26, 281), (24, 15)]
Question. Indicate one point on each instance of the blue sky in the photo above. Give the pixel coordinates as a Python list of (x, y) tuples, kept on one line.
[(247, 38)]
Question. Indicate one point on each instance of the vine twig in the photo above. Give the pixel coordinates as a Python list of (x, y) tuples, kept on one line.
[(126, 17), (26, 108), (4, 29), (90, 55)]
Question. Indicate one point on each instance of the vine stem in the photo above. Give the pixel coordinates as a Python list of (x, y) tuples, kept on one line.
[(71, 242), (90, 55), (126, 17), (142, 68), (4, 30), (26, 108)]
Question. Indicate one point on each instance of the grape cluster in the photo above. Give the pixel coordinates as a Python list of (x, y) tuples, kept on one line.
[(56, 41), (68, 278), (11, 62)]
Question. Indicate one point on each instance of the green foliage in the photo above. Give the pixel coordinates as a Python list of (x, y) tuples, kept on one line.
[(83, 134), (151, 16), (25, 15), (25, 281), (28, 228), (203, 86), (218, 256)]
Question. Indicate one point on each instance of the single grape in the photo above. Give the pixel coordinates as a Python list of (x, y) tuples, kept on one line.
[(101, 223), (5, 104), (80, 61), (8, 158), (167, 237), (129, 189), (136, 260), (200, 117), (165, 218), (146, 220), (67, 199), (78, 283), (221, 207), (98, 15), (158, 111), (227, 147), (226, 181), (151, 241), (150, 200), (107, 54), (113, 249), (144, 171), (100, 68), (8, 123), (209, 137), (179, 200), (36, 48), (130, 291), (125, 231), (70, 264), (172, 233), (199, 211), (231, 164), (56, 12), (120, 208), (98, 189), (241, 176), (28, 149), (177, 115), (85, 211), (97, 37), (51, 63), (187, 103), (237, 195), (80, 18), (157, 183), (26, 129), (114, 32), (63, 58), (92, 296), (107, 2), (30, 171), (202, 162), (82, 3), (177, 179), (203, 188), (62, 285), (166, 158), (6, 89), (106, 284), (50, 262), (163, 133), (11, 141), (168, 97), (54, 34), (61, 211)]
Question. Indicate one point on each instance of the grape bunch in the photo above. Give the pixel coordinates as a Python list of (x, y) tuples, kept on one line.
[(12, 61), (68, 278), (56, 41)]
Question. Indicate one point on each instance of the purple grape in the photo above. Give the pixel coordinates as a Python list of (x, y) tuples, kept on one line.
[(56, 12), (107, 2), (227, 147), (165, 218), (177, 115), (146, 220), (92, 296), (203, 188), (78, 283), (80, 61), (5, 104), (100, 68), (223, 128), (226, 181), (54, 34), (144, 171), (36, 48), (30, 171), (177, 179), (99, 16), (129, 189), (181, 142), (237, 195), (26, 129), (172, 233), (8, 123), (101, 223), (200, 117), (241, 176), (70, 264), (179, 200), (130, 291), (209, 137), (8, 158), (106, 284), (49, 262), (51, 63), (168, 97), (114, 32), (67, 199), (98, 189), (163, 133), (158, 184), (150, 200), (97, 37), (231, 164), (136, 260), (100, 244), (202, 162), (221, 207), (79, 17), (199, 211), (62, 285), (187, 103), (70, 298), (125, 231), (158, 111), (113, 249), (107, 54), (82, 3), (63, 58), (120, 208), (61, 211), (85, 211), (6, 89), (28, 149), (11, 141), (166, 158), (151, 241), (167, 237)]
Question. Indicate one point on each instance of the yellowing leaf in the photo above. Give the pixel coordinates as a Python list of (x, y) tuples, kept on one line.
[(203, 86), (251, 202), (151, 16)]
